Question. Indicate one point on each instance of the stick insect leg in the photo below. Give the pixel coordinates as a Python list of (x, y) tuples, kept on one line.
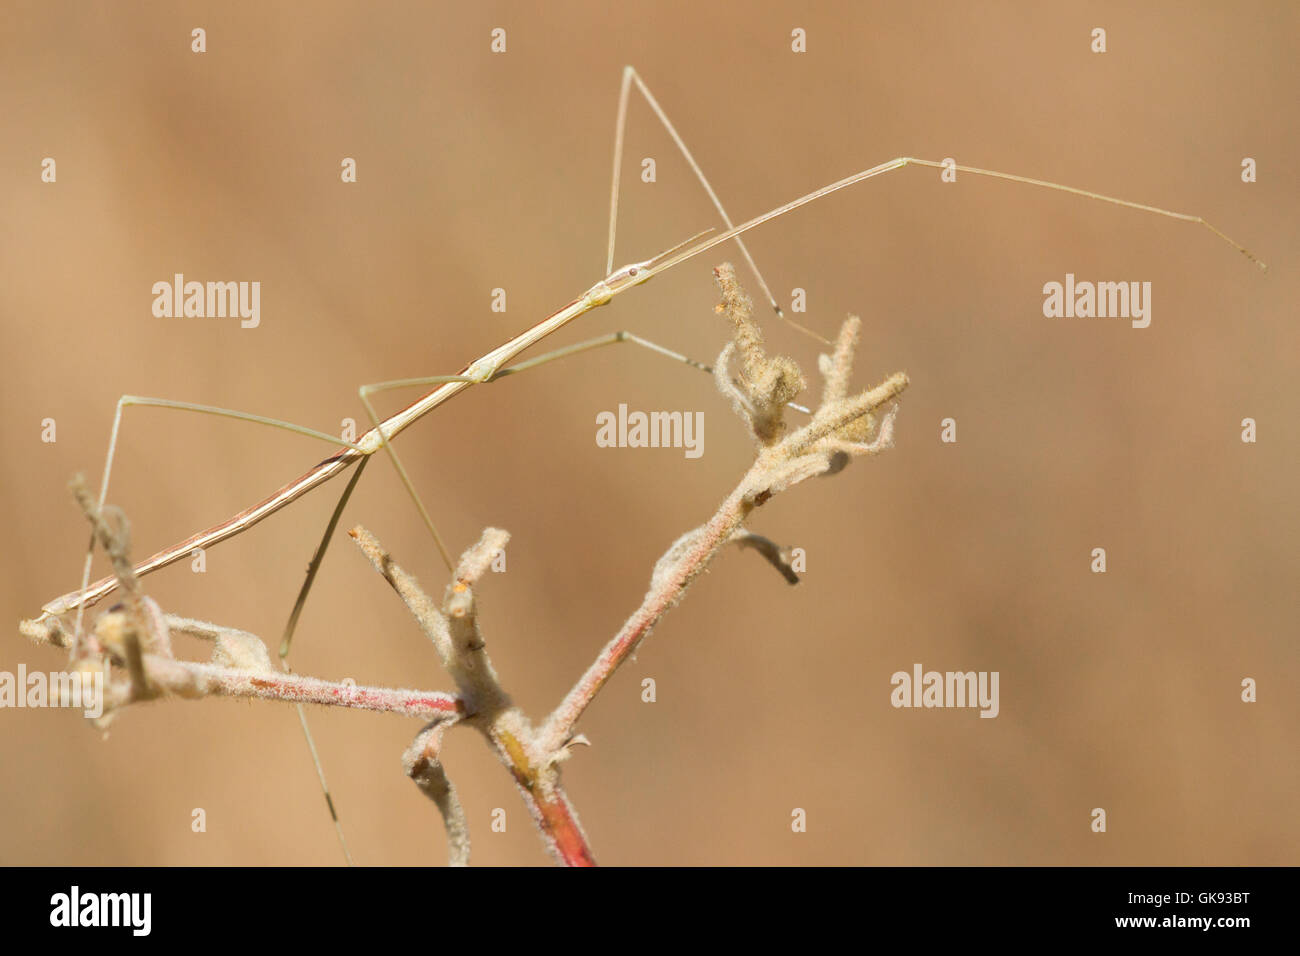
[(365, 391), (614, 338), (312, 568), (902, 162), (630, 77), (317, 558), (320, 771), (129, 400)]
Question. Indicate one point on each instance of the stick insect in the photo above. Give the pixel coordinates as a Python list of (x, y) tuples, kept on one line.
[(495, 364)]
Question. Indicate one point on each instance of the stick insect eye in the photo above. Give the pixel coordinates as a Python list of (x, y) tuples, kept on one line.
[(631, 273)]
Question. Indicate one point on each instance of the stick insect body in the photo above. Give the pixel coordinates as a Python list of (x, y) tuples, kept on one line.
[(490, 366)]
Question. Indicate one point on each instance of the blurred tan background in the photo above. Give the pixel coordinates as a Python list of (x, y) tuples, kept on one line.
[(477, 171)]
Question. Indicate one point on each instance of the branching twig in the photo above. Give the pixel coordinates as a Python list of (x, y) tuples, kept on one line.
[(837, 429), (453, 628), (193, 679), (423, 766)]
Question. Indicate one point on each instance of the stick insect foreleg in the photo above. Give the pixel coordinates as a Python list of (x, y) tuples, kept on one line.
[(630, 78)]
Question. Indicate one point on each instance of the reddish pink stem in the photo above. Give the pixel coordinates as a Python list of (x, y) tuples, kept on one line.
[(660, 599), (293, 688)]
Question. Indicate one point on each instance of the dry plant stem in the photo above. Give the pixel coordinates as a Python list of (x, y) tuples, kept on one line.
[(453, 629), (191, 679), (116, 542), (422, 764), (816, 449), (293, 688), (664, 593)]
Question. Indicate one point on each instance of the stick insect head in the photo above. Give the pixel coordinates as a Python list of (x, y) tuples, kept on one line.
[(634, 274)]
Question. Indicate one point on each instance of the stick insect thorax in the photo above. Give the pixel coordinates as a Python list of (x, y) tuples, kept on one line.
[(489, 365), (483, 369)]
